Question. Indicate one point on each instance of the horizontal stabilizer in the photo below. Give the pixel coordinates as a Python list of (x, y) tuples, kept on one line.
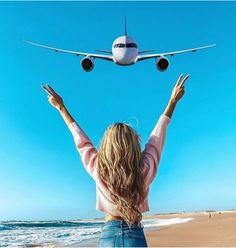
[(103, 51), (146, 51)]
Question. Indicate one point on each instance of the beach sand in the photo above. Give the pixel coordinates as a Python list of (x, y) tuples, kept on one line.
[(218, 231)]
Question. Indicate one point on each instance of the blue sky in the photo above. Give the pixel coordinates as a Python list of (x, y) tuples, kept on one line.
[(41, 175)]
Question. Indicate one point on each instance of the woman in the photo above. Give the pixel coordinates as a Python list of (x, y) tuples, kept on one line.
[(122, 172)]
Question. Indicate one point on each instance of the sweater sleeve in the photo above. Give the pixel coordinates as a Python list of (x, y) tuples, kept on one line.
[(85, 147), (152, 152)]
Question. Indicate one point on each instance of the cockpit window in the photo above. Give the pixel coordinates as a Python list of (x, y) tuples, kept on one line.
[(131, 45), (119, 45), (122, 45)]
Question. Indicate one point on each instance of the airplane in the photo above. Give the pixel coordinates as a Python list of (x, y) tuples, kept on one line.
[(124, 52)]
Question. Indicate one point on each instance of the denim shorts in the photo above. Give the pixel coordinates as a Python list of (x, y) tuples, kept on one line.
[(116, 233)]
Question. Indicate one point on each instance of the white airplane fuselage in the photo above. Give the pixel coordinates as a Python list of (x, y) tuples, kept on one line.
[(124, 50)]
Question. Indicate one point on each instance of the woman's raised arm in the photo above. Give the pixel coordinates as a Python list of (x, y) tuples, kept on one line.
[(151, 155), (83, 144)]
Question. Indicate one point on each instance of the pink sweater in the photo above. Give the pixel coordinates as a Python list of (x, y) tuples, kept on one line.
[(150, 163)]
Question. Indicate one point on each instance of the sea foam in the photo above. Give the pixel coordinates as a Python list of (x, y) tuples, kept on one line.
[(61, 233)]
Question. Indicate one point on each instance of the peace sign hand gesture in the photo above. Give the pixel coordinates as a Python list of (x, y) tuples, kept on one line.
[(55, 100), (178, 90)]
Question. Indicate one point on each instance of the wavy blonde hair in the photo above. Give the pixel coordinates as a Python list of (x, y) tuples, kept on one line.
[(119, 166)]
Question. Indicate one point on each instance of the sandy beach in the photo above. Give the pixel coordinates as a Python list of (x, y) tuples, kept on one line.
[(217, 230)]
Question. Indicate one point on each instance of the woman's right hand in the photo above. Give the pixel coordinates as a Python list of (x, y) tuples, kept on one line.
[(178, 90), (54, 99)]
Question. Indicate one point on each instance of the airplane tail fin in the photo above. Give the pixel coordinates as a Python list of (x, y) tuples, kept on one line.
[(125, 27)]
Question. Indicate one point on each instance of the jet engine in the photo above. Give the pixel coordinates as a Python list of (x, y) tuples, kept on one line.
[(162, 64), (87, 64)]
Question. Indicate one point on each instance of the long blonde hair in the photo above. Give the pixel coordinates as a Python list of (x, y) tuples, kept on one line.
[(119, 166)]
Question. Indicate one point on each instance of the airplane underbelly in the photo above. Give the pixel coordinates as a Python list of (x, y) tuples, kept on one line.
[(125, 56)]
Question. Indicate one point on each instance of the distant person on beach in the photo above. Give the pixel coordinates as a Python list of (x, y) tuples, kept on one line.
[(121, 171), (209, 215)]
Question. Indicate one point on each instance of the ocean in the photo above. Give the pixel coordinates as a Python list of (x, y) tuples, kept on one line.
[(60, 233)]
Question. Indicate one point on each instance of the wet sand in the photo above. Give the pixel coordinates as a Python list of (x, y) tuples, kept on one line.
[(219, 230)]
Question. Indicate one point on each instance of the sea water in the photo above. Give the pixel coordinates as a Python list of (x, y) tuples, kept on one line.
[(60, 233)]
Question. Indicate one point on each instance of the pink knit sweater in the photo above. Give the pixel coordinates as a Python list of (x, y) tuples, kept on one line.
[(150, 162)]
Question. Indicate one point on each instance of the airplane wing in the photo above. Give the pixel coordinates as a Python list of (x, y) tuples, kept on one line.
[(149, 56), (99, 56)]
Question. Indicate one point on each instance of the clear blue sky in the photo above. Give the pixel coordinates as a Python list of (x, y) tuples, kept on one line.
[(41, 175)]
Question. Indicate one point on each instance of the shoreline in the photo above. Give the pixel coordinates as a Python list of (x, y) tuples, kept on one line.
[(208, 228), (169, 214)]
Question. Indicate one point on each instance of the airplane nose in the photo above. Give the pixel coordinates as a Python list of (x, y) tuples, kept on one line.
[(125, 56)]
